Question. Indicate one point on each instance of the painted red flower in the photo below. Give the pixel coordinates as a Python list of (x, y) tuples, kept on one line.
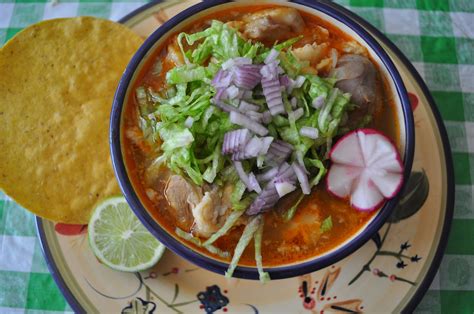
[(70, 230), (413, 101), (309, 303)]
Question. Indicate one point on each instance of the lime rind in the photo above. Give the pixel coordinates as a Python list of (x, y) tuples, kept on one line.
[(119, 240)]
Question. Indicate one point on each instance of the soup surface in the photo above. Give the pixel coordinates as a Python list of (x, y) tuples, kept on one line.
[(320, 221)]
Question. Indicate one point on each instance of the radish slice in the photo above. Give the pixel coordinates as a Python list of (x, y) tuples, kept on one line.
[(366, 167)]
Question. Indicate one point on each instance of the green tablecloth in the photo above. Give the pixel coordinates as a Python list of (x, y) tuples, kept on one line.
[(436, 35)]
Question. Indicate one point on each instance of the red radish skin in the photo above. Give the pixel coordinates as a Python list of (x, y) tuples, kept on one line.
[(375, 179)]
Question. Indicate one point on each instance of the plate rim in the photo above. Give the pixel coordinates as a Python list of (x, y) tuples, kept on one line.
[(450, 197), (54, 269), (449, 210)]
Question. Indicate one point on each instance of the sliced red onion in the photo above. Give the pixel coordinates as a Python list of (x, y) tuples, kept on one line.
[(222, 79), (282, 146), (298, 113), (235, 62), (270, 71), (245, 106), (284, 187), (253, 183), (247, 95), (278, 152), (285, 173), (188, 122), (256, 116), (285, 81), (251, 149), (247, 76), (266, 142), (312, 133), (272, 56), (235, 141), (294, 102), (268, 175), (267, 199), (272, 92), (221, 93), (254, 147), (318, 102), (232, 92), (267, 117), (277, 110), (241, 172), (302, 178), (225, 107), (299, 81), (283, 167), (246, 122), (300, 159)]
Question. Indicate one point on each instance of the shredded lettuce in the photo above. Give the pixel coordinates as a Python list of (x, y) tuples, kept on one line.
[(244, 203), (326, 225), (279, 47), (237, 193), (244, 240), (229, 223), (175, 138), (291, 64), (318, 164), (196, 241), (290, 213), (189, 73), (221, 42), (263, 275), (217, 162)]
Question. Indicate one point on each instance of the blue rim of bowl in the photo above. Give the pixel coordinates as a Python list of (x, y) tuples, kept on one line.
[(424, 285), (201, 259)]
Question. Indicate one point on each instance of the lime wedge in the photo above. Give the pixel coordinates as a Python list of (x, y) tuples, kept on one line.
[(118, 238)]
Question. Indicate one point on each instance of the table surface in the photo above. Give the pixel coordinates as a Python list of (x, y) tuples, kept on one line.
[(436, 35)]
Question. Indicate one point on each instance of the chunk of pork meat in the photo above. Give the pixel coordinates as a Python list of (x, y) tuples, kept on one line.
[(273, 24), (209, 215), (183, 196), (311, 52), (358, 76), (204, 213)]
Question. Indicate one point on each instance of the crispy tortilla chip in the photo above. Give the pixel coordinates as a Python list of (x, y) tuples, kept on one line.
[(57, 82)]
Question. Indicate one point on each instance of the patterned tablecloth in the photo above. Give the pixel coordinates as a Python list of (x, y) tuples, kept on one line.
[(436, 35)]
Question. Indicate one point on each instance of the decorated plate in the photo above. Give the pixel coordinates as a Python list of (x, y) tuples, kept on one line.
[(390, 273)]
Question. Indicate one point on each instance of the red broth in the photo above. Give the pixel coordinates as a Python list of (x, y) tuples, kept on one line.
[(283, 242)]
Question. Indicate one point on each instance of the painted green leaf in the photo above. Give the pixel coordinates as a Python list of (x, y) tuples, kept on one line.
[(414, 196)]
